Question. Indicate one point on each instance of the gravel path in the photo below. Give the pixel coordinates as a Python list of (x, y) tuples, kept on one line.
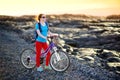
[(11, 69)]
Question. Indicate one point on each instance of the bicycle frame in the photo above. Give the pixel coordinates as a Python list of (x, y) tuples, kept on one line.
[(43, 54)]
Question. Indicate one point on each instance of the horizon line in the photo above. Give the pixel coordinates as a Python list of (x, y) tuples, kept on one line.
[(57, 14)]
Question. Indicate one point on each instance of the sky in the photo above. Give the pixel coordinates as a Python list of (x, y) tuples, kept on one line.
[(35, 7)]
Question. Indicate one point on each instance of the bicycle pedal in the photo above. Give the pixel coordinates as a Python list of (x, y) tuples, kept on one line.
[(41, 60)]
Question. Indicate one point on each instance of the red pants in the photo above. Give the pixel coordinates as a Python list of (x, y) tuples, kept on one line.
[(39, 47)]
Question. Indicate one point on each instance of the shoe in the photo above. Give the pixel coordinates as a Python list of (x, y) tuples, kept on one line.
[(40, 69), (48, 67)]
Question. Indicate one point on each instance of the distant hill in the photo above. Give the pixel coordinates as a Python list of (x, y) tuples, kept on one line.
[(54, 16), (14, 18), (113, 17)]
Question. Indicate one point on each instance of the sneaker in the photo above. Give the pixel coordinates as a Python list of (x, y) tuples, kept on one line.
[(40, 69), (48, 67)]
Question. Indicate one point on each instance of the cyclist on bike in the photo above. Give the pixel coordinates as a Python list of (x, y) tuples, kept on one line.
[(41, 41)]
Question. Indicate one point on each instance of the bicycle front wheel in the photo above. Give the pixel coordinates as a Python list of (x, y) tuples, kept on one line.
[(28, 58), (59, 61)]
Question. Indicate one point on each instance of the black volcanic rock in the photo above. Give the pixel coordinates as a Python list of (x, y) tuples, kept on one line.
[(94, 50)]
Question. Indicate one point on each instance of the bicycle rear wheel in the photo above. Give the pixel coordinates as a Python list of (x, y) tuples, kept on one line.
[(59, 61), (28, 58)]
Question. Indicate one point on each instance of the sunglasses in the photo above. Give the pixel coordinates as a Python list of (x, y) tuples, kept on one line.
[(43, 17)]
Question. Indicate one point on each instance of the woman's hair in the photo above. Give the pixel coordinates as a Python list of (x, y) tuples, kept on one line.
[(39, 16)]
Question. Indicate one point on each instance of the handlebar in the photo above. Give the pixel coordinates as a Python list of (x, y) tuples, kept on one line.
[(52, 38)]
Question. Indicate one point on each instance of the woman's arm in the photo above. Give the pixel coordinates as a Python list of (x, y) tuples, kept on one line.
[(52, 34), (39, 34)]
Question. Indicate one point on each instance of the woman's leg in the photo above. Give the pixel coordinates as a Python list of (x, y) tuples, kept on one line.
[(38, 53), (45, 46)]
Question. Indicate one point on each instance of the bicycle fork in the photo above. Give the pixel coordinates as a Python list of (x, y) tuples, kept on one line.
[(56, 54)]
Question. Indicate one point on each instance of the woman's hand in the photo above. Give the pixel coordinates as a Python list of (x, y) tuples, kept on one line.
[(54, 35)]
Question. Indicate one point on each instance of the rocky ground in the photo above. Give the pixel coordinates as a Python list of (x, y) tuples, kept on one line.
[(93, 48)]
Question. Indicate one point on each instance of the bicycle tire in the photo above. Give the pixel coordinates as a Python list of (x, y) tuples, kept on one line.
[(63, 64), (27, 58)]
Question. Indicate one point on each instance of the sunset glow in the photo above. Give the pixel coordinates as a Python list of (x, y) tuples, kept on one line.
[(89, 7)]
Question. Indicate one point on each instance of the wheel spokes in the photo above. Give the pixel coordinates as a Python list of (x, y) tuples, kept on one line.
[(61, 63), (28, 58)]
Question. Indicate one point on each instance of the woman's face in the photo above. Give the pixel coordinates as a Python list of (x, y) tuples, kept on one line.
[(43, 18)]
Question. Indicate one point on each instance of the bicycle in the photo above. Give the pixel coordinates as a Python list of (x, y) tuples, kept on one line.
[(59, 60)]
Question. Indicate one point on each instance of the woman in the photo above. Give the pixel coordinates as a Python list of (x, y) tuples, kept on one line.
[(41, 41)]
